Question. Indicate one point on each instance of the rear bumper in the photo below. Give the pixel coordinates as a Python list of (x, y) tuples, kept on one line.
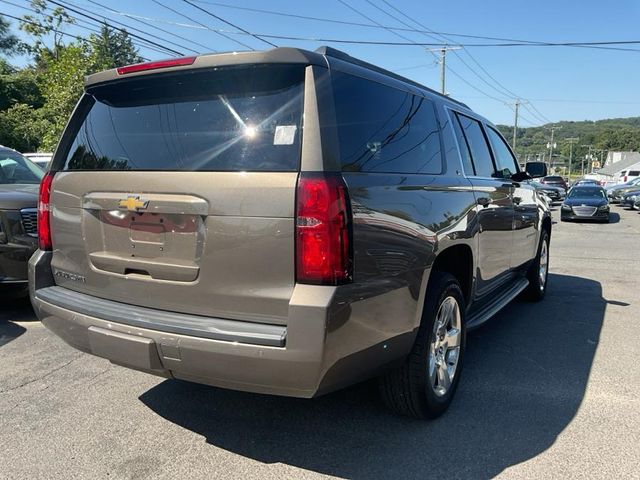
[(321, 348)]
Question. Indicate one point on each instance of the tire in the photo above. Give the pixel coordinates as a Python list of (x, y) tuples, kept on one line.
[(409, 390), (538, 282)]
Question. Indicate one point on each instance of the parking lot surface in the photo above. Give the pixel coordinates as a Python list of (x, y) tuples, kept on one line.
[(549, 390)]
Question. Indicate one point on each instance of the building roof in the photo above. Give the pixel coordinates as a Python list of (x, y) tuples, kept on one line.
[(628, 160)]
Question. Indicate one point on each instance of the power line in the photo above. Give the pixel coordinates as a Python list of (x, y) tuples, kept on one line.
[(536, 113), (433, 53), (377, 26), (134, 35), (515, 43), (422, 65), (446, 37), (523, 117), (152, 35), (437, 38), (91, 28), (540, 113), (572, 100), (502, 90), (229, 23), (60, 32), (142, 21), (443, 49), (219, 32)]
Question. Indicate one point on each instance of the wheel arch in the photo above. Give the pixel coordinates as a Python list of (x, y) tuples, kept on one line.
[(456, 260)]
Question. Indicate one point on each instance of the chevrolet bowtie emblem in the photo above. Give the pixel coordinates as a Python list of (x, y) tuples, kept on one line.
[(133, 204)]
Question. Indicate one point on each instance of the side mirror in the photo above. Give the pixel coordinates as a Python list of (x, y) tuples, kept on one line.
[(521, 177), (536, 169)]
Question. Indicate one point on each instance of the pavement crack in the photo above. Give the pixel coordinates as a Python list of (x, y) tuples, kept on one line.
[(49, 373)]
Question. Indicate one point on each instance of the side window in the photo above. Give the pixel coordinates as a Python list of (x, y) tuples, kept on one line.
[(467, 164), (477, 142), (383, 129), (506, 164)]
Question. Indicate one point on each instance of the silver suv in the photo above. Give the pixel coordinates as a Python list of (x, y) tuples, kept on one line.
[(284, 222)]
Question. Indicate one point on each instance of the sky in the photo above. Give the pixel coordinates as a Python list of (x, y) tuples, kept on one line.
[(559, 83)]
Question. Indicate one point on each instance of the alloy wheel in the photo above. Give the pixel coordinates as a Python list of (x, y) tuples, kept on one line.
[(444, 348)]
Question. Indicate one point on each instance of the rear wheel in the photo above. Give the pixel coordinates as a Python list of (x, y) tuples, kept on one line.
[(539, 271), (425, 385)]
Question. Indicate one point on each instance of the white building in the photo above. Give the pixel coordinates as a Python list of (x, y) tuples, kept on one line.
[(620, 167)]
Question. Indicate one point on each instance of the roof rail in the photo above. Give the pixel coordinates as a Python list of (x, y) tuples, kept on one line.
[(340, 55)]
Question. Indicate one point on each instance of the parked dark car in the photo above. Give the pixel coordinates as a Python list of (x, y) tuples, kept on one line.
[(189, 229), (555, 194), (629, 198), (19, 183), (555, 181), (585, 203), (617, 193)]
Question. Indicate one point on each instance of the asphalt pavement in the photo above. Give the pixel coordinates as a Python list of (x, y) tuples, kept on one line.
[(549, 390)]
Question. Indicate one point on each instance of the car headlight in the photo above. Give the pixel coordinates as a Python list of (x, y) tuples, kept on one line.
[(566, 208), (603, 208), (633, 198)]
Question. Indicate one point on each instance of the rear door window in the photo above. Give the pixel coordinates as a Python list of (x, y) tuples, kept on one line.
[(233, 119), (465, 154), (505, 162), (384, 129), (477, 143)]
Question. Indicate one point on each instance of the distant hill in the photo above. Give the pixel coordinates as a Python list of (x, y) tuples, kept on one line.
[(617, 134)]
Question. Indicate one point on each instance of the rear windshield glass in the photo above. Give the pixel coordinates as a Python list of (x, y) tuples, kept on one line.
[(233, 119)]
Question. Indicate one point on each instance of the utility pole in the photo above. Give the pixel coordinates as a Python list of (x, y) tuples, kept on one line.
[(443, 63), (552, 145), (571, 141), (515, 124), (586, 157), (516, 110)]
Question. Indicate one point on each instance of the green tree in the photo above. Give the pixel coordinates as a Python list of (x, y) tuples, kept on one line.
[(19, 85), (9, 43), (43, 25), (22, 127), (112, 48), (62, 85)]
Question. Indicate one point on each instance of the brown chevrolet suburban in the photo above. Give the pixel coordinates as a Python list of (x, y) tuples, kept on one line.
[(284, 222)]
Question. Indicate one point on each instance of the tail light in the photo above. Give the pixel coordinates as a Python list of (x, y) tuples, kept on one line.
[(323, 238), (44, 208), (141, 67)]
